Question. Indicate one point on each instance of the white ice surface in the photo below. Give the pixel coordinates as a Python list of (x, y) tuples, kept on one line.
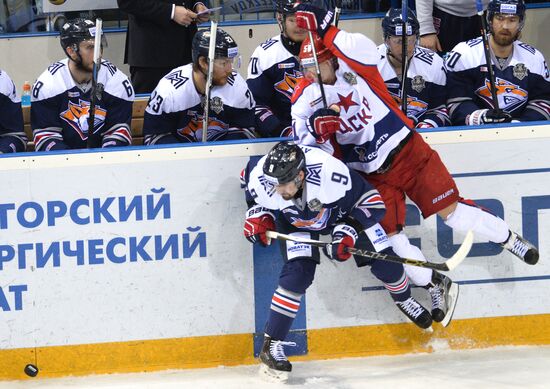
[(502, 367)]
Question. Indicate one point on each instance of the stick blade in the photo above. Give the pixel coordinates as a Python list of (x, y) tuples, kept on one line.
[(462, 252)]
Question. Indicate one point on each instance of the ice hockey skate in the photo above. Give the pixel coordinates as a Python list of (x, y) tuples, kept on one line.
[(274, 364), (521, 248), (444, 294), (415, 312)]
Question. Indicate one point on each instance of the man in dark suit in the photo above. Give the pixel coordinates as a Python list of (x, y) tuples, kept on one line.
[(159, 37)]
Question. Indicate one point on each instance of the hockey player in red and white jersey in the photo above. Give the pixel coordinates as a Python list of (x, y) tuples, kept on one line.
[(520, 71), (12, 133), (366, 129), (426, 79), (61, 96), (176, 108)]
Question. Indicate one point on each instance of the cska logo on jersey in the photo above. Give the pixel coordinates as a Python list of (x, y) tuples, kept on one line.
[(77, 115), (509, 95), (288, 83)]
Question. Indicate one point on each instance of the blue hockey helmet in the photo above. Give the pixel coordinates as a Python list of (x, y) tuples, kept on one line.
[(392, 23), (226, 47), (284, 162), (506, 7)]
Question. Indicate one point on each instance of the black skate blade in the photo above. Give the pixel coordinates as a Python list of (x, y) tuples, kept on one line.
[(272, 375), (452, 298)]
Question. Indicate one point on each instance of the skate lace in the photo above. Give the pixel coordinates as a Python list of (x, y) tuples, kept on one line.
[(276, 349), (519, 247), (436, 293), (411, 307)]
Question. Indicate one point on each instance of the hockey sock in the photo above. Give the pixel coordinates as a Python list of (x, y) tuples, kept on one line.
[(284, 306), (393, 276), (469, 217), (399, 290), (402, 246)]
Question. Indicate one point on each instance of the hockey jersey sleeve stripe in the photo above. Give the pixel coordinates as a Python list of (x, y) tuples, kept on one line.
[(369, 72), (43, 136)]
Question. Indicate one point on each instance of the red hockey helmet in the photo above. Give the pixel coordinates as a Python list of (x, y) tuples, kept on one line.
[(306, 51)]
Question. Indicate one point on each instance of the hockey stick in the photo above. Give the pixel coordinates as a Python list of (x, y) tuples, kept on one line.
[(94, 140), (487, 49), (448, 265), (337, 12), (214, 19), (404, 55), (318, 70)]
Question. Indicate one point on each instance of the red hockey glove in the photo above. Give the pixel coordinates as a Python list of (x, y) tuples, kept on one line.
[(314, 19), (323, 123), (488, 116), (343, 237), (258, 221)]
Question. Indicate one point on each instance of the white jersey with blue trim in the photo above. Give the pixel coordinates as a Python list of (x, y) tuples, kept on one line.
[(330, 194), (426, 81), (176, 108), (522, 82)]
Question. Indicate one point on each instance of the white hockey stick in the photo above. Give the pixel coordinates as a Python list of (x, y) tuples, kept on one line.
[(214, 19), (448, 265), (94, 140)]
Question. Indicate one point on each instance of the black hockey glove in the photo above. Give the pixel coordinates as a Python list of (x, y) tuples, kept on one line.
[(314, 19), (488, 116)]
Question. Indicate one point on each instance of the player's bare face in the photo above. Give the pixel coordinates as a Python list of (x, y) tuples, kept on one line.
[(395, 45), (505, 29), (223, 67), (86, 51), (328, 72), (293, 32), (289, 190)]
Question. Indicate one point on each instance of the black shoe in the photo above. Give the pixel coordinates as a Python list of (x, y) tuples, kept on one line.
[(444, 293), (521, 248), (415, 312), (274, 362)]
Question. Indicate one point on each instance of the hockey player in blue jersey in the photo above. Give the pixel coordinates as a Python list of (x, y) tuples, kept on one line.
[(520, 72), (12, 133), (426, 79), (273, 72), (61, 96), (175, 110), (312, 194)]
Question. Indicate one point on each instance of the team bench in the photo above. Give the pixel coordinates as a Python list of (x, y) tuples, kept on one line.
[(137, 122)]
